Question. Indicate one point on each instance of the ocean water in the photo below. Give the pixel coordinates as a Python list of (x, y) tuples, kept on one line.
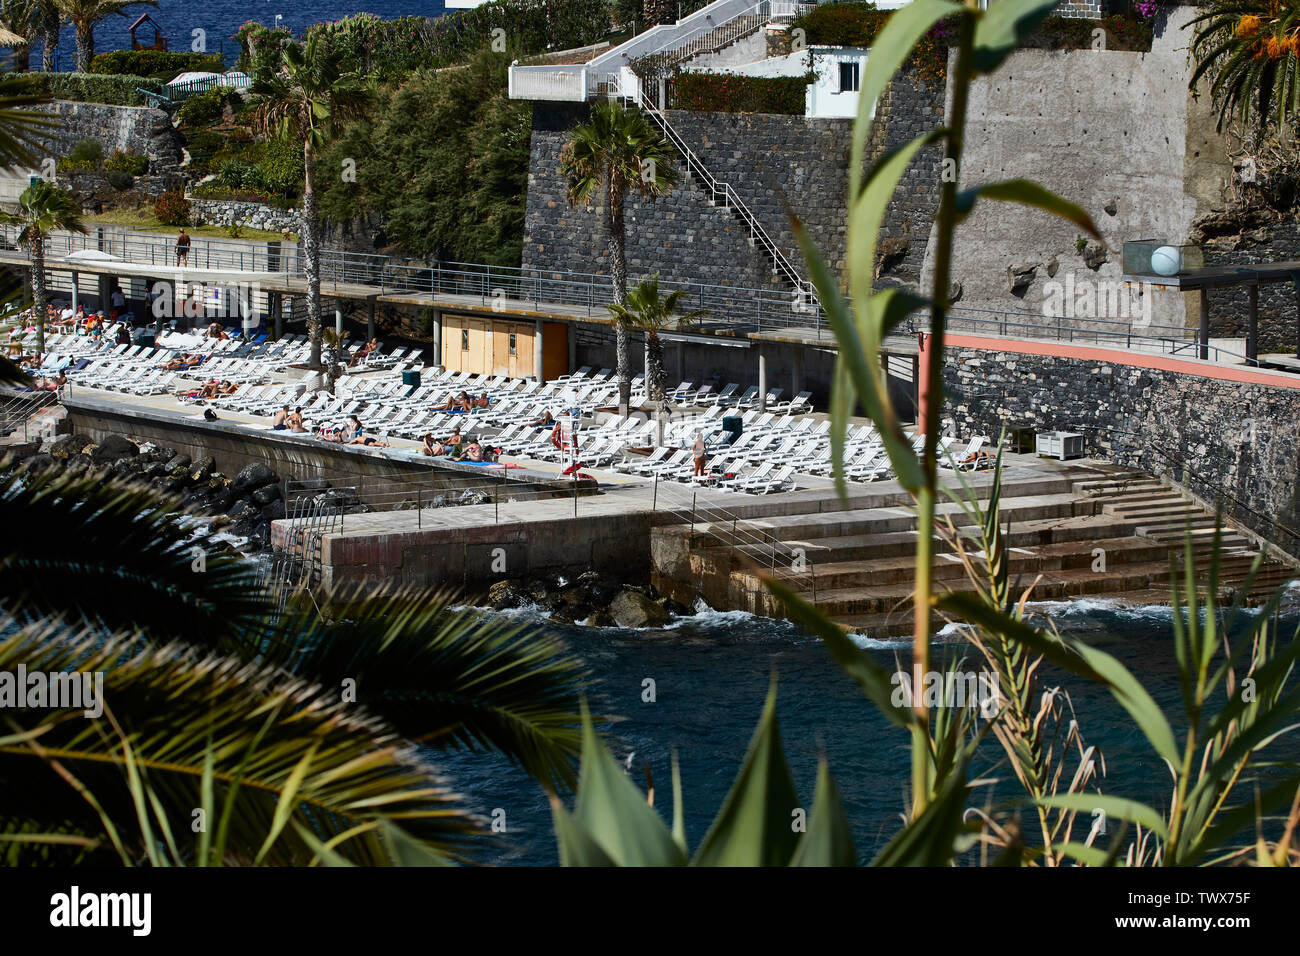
[(219, 19), (711, 674)]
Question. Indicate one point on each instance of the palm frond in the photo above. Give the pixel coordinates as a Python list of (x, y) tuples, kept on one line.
[(262, 756), (450, 679), (117, 556)]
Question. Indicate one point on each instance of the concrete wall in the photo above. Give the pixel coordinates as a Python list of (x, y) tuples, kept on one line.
[(464, 557), (378, 480), (1116, 133), (1239, 440)]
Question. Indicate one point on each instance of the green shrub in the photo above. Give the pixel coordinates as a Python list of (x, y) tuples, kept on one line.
[(728, 93), (94, 88), (120, 179), (67, 164), (281, 167), (87, 154), (133, 164), (396, 48), (202, 108), (237, 174), (158, 64), (202, 147), (172, 209)]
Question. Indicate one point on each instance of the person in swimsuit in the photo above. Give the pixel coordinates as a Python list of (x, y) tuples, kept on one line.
[(182, 248)]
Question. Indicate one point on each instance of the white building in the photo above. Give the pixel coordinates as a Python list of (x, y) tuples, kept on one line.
[(838, 77)]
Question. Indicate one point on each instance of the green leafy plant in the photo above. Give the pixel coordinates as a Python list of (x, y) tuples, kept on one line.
[(216, 700), (162, 65), (204, 108), (133, 164), (727, 93), (1218, 756), (652, 312)]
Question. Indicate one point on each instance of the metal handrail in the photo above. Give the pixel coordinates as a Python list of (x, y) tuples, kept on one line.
[(731, 198)]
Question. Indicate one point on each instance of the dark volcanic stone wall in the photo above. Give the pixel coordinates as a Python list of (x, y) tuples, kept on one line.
[(765, 158), (1238, 441), (1229, 307)]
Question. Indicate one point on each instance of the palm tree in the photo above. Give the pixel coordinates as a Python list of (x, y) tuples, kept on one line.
[(306, 100), (617, 150), (653, 313), (1251, 51), (50, 23), (42, 208), (85, 15), (239, 711), (20, 126), (19, 25)]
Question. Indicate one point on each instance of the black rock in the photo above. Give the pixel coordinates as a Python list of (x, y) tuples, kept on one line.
[(242, 508), (222, 498), (179, 461), (201, 470), (66, 446), (255, 476), (505, 595), (674, 607), (114, 447), (274, 511), (155, 470), (265, 494)]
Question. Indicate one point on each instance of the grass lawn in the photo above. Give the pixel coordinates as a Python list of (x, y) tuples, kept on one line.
[(145, 219)]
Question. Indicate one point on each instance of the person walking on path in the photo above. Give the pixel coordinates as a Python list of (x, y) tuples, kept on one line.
[(182, 248), (698, 451)]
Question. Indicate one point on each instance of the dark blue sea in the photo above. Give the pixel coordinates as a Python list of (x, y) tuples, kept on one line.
[(711, 674), (219, 19)]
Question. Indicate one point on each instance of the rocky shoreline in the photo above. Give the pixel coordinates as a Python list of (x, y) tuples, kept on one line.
[(591, 599)]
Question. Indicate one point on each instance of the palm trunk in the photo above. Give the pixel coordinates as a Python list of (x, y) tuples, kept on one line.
[(37, 254), (655, 385), (618, 274), (85, 46), (311, 251), (21, 59), (51, 23)]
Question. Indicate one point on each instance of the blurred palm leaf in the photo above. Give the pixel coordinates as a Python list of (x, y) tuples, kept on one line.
[(261, 754)]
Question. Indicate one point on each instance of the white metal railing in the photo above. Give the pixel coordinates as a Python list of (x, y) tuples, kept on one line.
[(528, 82), (548, 83)]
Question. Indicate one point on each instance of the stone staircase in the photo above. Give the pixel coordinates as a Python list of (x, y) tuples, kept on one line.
[(1069, 537)]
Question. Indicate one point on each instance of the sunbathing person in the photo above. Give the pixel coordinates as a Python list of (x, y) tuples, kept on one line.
[(430, 447), (363, 353), (546, 421), (474, 452), (355, 435), (281, 420), (51, 384), (294, 421), (454, 441), (480, 402)]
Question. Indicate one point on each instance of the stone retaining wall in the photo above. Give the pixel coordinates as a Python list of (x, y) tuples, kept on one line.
[(251, 215), (1239, 442)]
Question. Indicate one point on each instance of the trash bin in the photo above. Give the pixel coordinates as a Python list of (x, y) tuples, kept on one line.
[(734, 424), (411, 377)]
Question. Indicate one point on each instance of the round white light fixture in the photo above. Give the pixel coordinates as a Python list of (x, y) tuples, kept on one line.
[(1167, 260)]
